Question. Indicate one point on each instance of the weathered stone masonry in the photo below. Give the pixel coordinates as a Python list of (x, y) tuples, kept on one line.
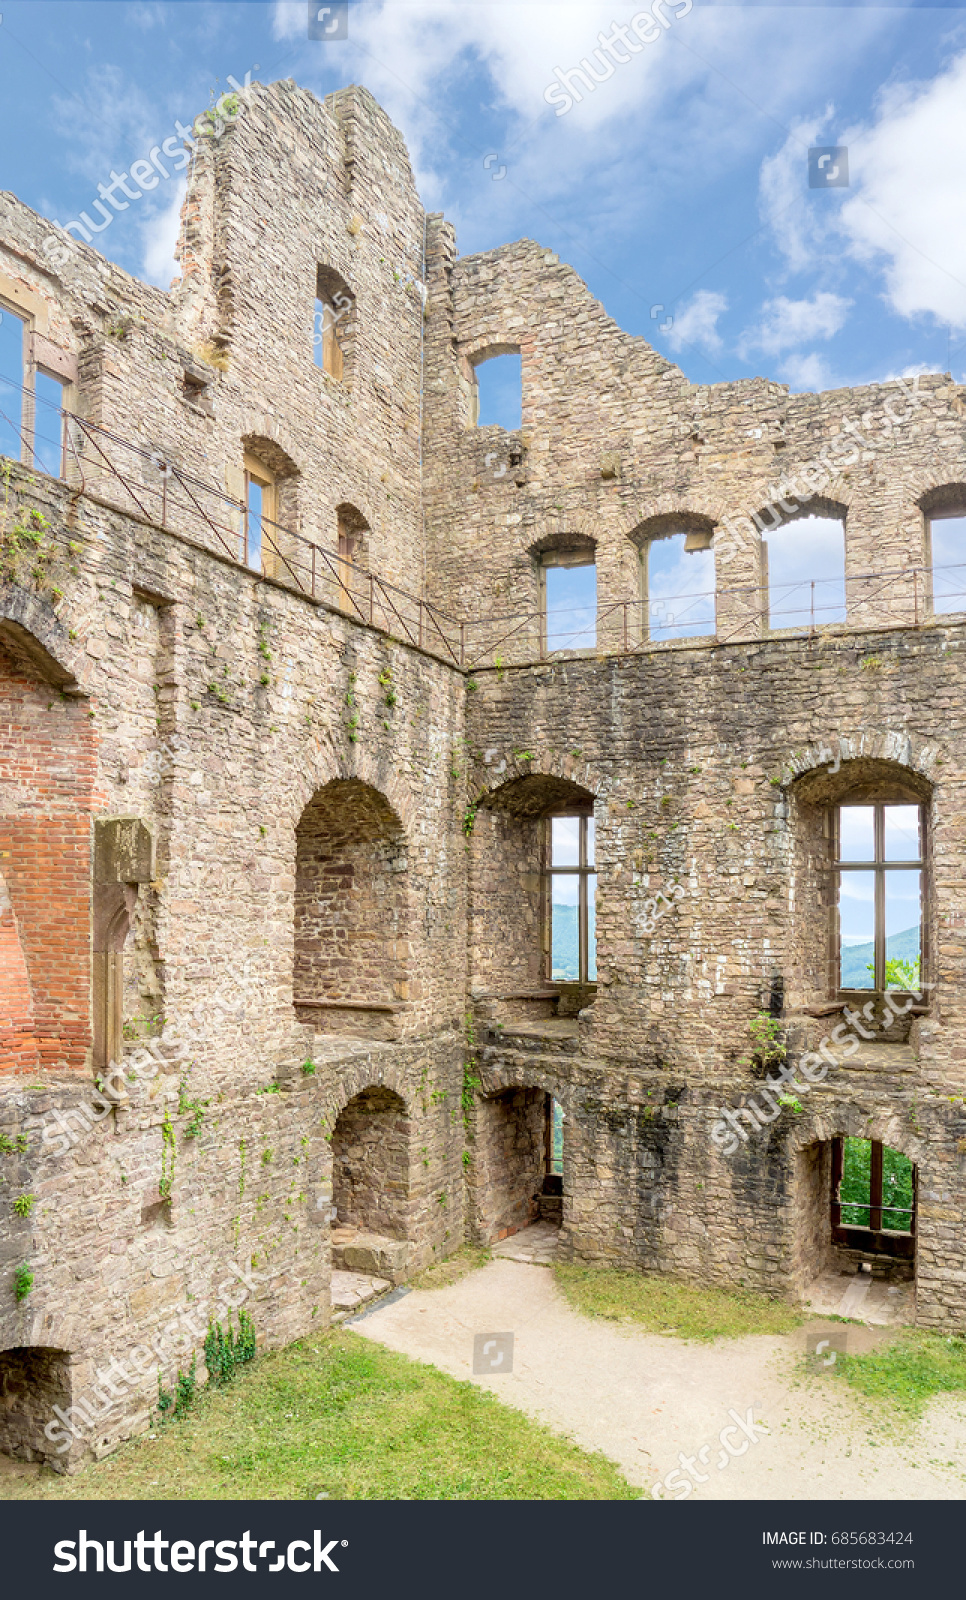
[(275, 838)]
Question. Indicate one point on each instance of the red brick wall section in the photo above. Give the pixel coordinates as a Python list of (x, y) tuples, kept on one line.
[(46, 789)]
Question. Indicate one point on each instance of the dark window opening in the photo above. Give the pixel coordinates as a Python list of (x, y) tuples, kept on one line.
[(878, 865), (571, 878), (874, 1195)]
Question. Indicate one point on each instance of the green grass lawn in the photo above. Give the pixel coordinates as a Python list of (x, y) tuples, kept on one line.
[(905, 1375), (663, 1306), (338, 1415)]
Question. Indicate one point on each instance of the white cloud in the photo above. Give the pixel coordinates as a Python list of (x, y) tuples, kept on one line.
[(805, 374), (697, 324), (908, 172), (786, 323), (160, 239)]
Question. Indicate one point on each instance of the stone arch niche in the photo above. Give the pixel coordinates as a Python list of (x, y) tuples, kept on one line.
[(508, 913), (35, 1396), (351, 913), (371, 1185)]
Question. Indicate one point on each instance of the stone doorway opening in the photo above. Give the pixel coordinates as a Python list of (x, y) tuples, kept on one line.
[(33, 1382), (517, 1165), (857, 1237), (370, 1196)]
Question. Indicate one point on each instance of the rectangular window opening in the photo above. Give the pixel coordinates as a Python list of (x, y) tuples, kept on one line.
[(878, 854), (678, 579), (947, 551), (873, 1197), (571, 895), (569, 602)]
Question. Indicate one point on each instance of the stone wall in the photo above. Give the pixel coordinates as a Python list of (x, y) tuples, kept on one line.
[(340, 796)]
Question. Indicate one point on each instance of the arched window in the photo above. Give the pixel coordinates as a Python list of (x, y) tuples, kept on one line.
[(677, 577), (353, 551), (568, 594), (270, 508), (334, 305), (803, 567), (945, 513)]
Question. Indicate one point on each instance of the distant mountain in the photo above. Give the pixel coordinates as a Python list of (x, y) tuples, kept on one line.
[(856, 958), (565, 966)]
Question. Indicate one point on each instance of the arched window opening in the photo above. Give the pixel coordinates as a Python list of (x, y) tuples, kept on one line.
[(678, 581), (261, 508), (946, 547), (803, 571), (334, 304), (36, 380), (353, 559), (568, 597), (270, 509)]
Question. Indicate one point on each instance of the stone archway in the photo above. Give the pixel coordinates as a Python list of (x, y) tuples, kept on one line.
[(371, 1200)]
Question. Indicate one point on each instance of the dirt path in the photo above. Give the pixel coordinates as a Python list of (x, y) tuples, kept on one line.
[(641, 1398)]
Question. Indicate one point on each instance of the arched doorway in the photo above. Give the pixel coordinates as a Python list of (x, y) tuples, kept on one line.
[(371, 1201)]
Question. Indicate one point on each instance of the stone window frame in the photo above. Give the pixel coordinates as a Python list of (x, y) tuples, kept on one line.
[(815, 506), (875, 1238), (39, 356), (878, 795), (338, 304), (564, 551), (584, 871), (940, 505), (469, 383), (699, 534)]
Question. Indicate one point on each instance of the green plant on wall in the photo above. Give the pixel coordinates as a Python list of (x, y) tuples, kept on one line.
[(196, 1107), (23, 1282), (168, 1153), (24, 1204), (10, 1146)]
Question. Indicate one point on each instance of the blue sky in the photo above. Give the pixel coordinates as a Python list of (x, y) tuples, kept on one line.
[(679, 182)]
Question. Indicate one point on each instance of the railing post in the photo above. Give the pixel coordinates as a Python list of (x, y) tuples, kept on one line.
[(164, 493), (313, 572), (625, 626), (462, 643), (372, 601), (813, 605), (420, 624), (915, 593)]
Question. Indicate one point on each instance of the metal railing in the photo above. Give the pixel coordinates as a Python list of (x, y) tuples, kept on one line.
[(148, 484)]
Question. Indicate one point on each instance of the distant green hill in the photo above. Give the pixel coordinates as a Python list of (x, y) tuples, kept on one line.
[(856, 958), (566, 944)]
